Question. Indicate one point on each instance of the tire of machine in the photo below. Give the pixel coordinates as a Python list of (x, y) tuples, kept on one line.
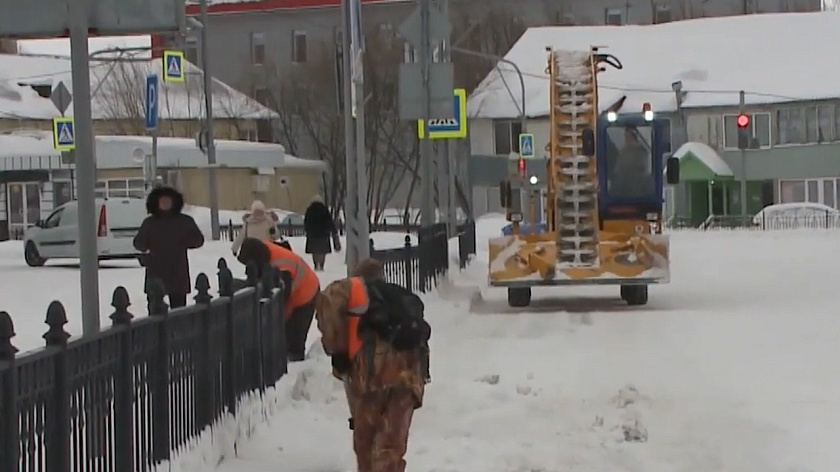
[(519, 296), (635, 295)]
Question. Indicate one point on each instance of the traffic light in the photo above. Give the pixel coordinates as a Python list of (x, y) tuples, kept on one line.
[(521, 167), (743, 122)]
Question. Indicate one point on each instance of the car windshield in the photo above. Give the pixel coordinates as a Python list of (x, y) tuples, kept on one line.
[(630, 161)]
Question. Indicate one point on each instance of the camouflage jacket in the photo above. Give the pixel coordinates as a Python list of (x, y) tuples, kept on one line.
[(377, 366)]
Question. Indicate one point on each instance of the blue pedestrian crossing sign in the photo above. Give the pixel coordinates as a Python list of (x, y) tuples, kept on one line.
[(173, 66), (526, 146), (452, 128), (64, 133)]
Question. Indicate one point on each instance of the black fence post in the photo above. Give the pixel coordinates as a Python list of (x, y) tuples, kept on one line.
[(228, 360), (9, 430), (408, 263), (371, 249), (123, 382), (231, 235), (159, 310), (204, 383), (422, 262), (58, 405)]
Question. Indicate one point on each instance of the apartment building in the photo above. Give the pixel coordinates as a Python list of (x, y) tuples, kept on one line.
[(246, 35)]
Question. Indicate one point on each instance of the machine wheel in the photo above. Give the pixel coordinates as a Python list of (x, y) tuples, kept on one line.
[(32, 257), (634, 295), (519, 296)]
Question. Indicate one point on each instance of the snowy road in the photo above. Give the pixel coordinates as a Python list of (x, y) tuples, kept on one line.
[(730, 368)]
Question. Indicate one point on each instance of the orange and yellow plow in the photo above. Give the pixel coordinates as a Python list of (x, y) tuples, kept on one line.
[(530, 259)]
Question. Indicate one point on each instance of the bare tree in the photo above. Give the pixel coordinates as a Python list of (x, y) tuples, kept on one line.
[(308, 102), (119, 94)]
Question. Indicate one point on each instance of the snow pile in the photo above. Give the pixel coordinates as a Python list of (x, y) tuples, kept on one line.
[(713, 57)]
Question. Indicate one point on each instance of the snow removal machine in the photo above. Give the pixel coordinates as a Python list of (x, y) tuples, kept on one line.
[(602, 195)]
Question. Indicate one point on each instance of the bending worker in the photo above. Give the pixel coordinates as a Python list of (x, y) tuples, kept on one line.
[(302, 287)]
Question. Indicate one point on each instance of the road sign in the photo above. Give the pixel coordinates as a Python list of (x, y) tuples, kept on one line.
[(450, 128), (64, 133), (151, 102), (61, 98), (412, 100), (526, 146), (173, 66), (411, 29)]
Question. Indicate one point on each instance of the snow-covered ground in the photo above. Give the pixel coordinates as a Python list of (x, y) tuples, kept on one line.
[(730, 368)]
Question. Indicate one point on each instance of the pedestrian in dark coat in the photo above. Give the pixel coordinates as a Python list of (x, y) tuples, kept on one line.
[(320, 229), (167, 234)]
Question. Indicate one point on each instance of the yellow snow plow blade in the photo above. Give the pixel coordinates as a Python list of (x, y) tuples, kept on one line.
[(623, 259)]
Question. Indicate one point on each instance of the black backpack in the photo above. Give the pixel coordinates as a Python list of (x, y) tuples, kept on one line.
[(395, 315)]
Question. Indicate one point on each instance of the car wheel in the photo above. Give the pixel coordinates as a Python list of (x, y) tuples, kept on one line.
[(31, 255)]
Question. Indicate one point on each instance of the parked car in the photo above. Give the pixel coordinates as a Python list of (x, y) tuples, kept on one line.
[(57, 237), (797, 215)]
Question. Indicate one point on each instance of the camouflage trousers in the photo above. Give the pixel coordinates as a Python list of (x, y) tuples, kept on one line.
[(381, 421)]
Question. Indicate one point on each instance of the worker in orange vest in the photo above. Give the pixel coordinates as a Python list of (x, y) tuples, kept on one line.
[(373, 341), (302, 287)]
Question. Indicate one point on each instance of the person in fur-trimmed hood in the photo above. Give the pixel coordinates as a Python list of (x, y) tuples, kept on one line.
[(259, 224), (166, 235)]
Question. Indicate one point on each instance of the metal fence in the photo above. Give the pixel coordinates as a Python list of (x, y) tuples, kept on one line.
[(417, 268), (231, 230), (122, 400), (803, 220)]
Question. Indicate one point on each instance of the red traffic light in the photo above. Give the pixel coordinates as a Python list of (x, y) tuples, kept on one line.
[(521, 165), (743, 120)]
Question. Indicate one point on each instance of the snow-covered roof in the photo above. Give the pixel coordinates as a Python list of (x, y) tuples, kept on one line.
[(116, 152), (98, 44), (707, 156), (118, 90), (772, 57)]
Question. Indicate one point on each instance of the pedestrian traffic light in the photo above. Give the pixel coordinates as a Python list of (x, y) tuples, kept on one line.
[(521, 166), (743, 122)]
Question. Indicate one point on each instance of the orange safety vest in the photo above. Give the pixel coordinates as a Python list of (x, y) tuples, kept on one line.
[(358, 304), (305, 283)]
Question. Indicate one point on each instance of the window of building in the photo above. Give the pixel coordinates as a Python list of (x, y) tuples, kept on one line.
[(825, 191), (299, 46), (247, 135), (62, 192), (818, 124), (257, 48), (262, 95), (614, 17), (506, 137), (191, 51), (759, 130), (120, 188), (837, 122), (662, 14)]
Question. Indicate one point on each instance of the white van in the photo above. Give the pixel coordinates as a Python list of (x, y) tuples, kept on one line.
[(57, 236)]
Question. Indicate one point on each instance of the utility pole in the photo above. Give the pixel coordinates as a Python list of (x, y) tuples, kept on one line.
[(357, 47), (427, 176), (208, 123), (351, 224), (85, 153), (741, 107)]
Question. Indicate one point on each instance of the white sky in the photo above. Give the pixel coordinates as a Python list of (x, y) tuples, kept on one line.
[(61, 47)]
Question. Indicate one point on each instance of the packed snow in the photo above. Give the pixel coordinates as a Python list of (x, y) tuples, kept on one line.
[(730, 368), (713, 57)]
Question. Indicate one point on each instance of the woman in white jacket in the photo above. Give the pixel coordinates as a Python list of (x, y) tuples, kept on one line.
[(259, 224)]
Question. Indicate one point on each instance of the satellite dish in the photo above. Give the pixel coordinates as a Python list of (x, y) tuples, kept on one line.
[(138, 155)]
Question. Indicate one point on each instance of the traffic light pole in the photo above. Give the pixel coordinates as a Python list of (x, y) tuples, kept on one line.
[(743, 166)]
